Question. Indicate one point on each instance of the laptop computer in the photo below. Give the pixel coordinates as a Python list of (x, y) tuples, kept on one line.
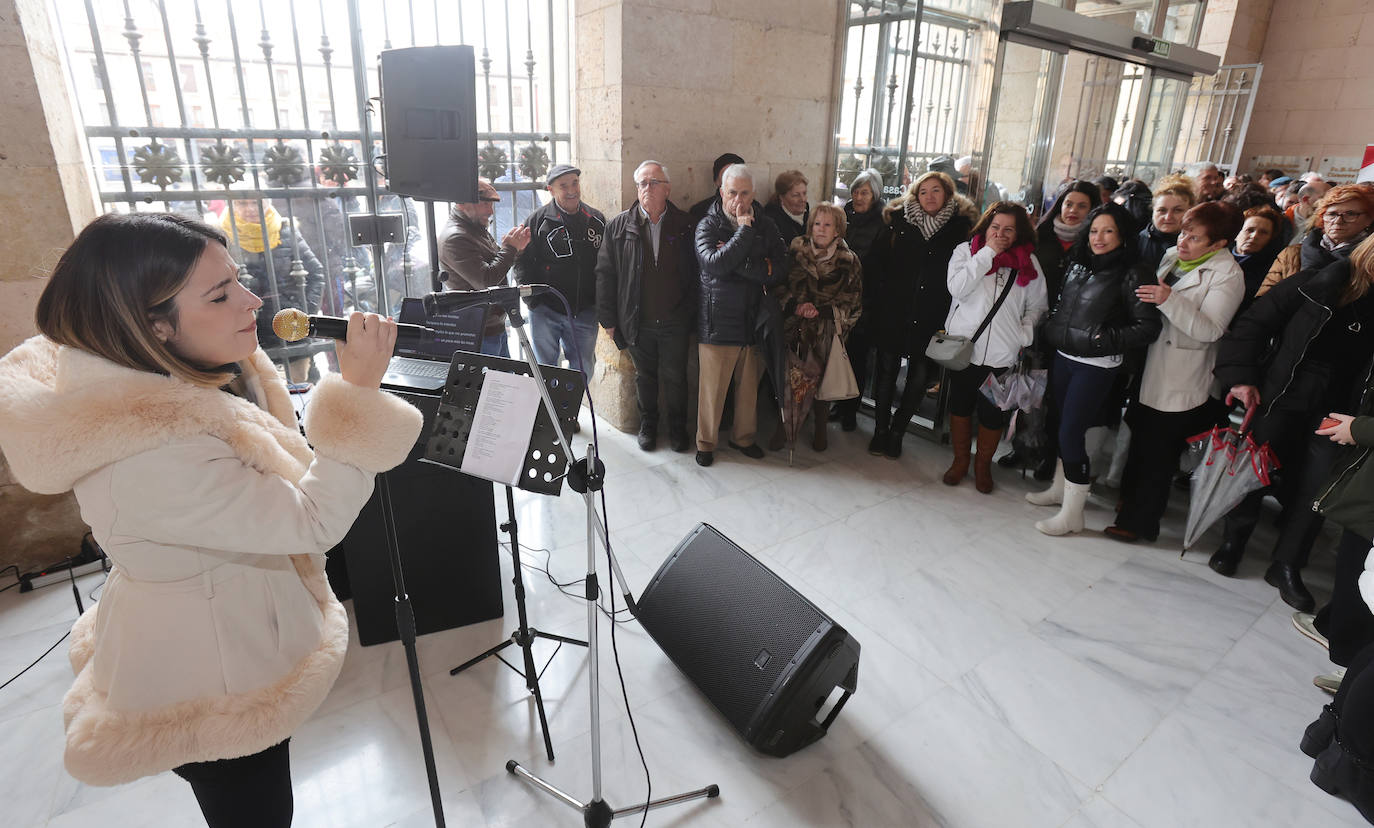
[(424, 366)]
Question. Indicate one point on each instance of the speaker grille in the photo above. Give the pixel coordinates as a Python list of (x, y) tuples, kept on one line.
[(727, 622)]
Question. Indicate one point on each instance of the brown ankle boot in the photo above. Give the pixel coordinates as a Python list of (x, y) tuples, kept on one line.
[(819, 413), (982, 461), (961, 439)]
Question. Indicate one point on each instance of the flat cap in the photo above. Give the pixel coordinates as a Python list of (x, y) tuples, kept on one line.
[(558, 171)]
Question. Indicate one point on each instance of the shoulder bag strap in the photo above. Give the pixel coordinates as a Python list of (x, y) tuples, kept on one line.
[(987, 320)]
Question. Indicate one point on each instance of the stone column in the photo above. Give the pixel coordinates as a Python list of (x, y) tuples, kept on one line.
[(682, 81), (46, 199)]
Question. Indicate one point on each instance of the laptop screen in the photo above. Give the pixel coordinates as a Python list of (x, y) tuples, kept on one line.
[(459, 330)]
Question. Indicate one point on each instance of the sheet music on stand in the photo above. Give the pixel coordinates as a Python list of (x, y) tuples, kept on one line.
[(456, 421)]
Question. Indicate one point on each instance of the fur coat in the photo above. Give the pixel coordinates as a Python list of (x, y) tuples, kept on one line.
[(216, 634)]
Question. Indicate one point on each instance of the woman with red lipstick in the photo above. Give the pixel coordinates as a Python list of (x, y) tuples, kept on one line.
[(1099, 321)]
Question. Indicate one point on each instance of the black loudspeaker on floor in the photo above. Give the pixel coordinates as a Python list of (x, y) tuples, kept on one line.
[(764, 656)]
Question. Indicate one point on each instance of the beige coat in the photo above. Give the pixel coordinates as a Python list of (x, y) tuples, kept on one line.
[(1178, 365), (216, 634)]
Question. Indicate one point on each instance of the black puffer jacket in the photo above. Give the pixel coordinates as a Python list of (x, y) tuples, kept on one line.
[(1153, 244), (283, 292), (620, 268), (1098, 313), (737, 263), (787, 228), (566, 260), (912, 299), (1294, 311), (862, 229)]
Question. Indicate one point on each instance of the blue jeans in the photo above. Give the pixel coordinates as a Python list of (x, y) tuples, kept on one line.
[(496, 344), (551, 332)]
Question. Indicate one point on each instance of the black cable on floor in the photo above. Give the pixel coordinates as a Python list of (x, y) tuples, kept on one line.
[(36, 660)]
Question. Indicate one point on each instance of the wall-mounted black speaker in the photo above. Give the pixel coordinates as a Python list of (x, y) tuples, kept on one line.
[(429, 122), (764, 655)]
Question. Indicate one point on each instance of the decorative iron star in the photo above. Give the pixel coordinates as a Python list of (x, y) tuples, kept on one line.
[(157, 164)]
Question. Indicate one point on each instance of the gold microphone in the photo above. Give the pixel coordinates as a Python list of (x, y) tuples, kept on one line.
[(294, 324)]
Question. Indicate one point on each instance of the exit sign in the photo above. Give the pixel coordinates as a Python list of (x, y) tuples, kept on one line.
[(1153, 45)]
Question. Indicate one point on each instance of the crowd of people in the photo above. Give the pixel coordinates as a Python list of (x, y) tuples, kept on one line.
[(1159, 311)]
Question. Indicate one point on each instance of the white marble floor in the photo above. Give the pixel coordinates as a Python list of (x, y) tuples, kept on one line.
[(1007, 678)]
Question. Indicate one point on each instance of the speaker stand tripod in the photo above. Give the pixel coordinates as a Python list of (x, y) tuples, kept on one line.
[(525, 635), (586, 477)]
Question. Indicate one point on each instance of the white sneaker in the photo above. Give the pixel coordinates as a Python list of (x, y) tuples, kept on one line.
[(1330, 682), (1303, 622)]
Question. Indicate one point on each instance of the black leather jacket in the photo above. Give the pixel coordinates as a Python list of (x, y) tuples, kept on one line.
[(554, 257), (620, 268), (1098, 313), (737, 263)]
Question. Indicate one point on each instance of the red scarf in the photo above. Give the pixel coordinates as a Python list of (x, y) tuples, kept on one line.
[(1017, 258)]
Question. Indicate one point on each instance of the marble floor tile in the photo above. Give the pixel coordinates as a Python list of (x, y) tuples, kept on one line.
[(972, 770), (945, 630), (1080, 719), (1006, 678), (1188, 773), (1150, 627)]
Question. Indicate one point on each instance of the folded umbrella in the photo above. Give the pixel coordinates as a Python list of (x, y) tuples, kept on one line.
[(1230, 465)]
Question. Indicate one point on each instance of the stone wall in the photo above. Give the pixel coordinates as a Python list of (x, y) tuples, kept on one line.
[(1316, 96), (682, 81), (47, 197)]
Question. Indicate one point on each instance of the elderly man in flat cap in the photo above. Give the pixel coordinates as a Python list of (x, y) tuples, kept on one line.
[(565, 235)]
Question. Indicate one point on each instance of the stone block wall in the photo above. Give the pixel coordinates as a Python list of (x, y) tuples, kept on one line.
[(682, 81), (47, 197), (1316, 95)]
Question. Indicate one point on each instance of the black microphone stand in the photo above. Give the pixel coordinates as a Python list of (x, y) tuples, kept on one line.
[(525, 635), (586, 477), (405, 628)]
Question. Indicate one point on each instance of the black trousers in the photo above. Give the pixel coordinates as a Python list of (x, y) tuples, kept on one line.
[(660, 356), (1158, 438), (965, 396), (251, 790), (920, 371), (1306, 462), (1346, 621)]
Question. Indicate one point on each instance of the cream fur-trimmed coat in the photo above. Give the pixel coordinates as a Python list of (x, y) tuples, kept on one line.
[(216, 634)]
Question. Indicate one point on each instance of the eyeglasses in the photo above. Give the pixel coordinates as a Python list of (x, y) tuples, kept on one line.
[(1346, 217), (650, 182)]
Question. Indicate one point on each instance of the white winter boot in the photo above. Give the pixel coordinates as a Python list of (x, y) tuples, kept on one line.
[(1070, 517), (1052, 496)]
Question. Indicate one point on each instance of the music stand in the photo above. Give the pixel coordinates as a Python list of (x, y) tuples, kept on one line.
[(541, 473), (585, 476)]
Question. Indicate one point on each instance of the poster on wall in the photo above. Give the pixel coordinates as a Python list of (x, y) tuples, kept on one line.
[(1367, 166)]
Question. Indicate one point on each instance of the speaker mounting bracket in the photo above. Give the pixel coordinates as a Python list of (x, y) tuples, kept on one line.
[(382, 228)]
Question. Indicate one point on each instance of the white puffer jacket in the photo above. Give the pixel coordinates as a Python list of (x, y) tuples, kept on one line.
[(974, 291), (216, 634)]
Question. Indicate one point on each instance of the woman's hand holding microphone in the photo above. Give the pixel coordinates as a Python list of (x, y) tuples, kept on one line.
[(365, 355)]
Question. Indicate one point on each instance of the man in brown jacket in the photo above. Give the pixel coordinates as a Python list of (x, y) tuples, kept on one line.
[(471, 259)]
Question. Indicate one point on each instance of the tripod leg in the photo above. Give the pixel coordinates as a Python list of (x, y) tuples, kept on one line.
[(563, 638), (476, 659)]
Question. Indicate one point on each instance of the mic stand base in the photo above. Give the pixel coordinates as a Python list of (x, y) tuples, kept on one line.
[(597, 814), (525, 635)]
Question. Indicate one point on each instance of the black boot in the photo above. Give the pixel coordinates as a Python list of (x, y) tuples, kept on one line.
[(1288, 580), (1225, 560), (1319, 734)]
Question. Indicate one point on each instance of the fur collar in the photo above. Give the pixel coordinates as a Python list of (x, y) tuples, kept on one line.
[(65, 413)]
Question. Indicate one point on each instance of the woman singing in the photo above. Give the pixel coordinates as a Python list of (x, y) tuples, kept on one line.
[(146, 394)]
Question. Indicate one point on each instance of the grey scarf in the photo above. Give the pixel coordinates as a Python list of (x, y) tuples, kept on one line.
[(929, 224)]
